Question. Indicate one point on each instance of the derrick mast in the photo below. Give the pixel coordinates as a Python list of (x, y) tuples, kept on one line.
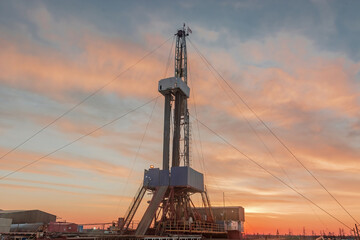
[(171, 207), (181, 118)]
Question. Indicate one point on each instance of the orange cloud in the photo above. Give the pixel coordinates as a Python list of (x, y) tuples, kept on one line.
[(50, 165), (49, 72), (286, 80)]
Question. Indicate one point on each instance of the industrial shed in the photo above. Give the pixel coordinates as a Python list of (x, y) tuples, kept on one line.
[(5, 225), (27, 216), (234, 213)]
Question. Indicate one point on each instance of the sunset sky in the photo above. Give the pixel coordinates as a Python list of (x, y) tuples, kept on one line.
[(295, 63)]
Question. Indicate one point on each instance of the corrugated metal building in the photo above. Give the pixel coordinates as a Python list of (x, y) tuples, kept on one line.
[(27, 216), (234, 213), (5, 224)]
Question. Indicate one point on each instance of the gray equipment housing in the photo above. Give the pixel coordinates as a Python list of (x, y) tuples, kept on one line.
[(183, 176), (173, 84)]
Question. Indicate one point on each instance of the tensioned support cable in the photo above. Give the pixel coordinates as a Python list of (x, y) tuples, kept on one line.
[(78, 139), (203, 58), (84, 100), (273, 175), (144, 134)]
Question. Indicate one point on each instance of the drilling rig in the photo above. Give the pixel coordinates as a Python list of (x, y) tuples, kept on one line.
[(171, 210)]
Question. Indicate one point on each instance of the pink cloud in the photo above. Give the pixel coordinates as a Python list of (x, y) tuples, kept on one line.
[(50, 165), (50, 72), (300, 81)]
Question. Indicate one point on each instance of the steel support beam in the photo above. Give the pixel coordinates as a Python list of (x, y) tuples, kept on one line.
[(166, 144), (176, 138)]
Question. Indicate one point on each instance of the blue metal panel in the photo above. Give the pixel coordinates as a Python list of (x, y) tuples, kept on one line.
[(178, 176), (187, 177), (164, 177), (80, 228), (152, 177), (195, 179)]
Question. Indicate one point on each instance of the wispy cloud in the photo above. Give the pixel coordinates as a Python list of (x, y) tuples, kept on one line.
[(306, 92)]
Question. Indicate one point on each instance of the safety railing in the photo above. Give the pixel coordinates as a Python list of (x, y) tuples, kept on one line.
[(133, 224), (194, 227)]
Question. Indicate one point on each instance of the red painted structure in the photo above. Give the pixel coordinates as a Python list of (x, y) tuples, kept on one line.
[(62, 227), (235, 234)]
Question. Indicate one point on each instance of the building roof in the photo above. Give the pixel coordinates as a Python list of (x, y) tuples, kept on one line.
[(28, 216), (14, 211)]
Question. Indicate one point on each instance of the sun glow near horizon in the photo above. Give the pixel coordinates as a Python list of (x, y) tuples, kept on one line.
[(298, 69)]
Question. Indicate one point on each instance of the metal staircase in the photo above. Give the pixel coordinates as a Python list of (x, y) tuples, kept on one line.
[(207, 205), (132, 208)]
